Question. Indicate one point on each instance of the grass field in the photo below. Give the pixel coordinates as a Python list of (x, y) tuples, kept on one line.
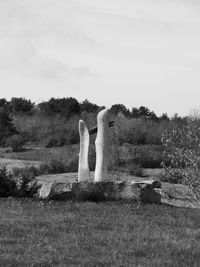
[(62, 154), (34, 233)]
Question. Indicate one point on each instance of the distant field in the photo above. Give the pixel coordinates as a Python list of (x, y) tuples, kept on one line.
[(37, 233), (34, 155), (62, 154)]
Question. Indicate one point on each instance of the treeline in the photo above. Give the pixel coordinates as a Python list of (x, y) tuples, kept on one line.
[(67, 107), (54, 122)]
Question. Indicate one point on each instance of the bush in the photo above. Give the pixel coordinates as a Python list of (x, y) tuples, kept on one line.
[(176, 178), (136, 170), (7, 184), (21, 183), (52, 142), (72, 166), (15, 141), (57, 166), (26, 182), (182, 146)]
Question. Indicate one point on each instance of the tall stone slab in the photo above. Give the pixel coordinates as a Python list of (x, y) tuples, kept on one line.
[(102, 144), (83, 168)]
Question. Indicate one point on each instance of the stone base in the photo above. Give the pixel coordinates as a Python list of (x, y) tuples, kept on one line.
[(120, 187), (146, 191)]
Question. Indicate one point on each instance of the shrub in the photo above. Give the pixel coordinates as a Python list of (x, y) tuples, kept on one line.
[(182, 146), (176, 178), (56, 166), (15, 141), (136, 170), (26, 182), (52, 142), (7, 183), (72, 165)]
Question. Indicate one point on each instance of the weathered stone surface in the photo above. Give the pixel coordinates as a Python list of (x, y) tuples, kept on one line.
[(179, 196), (54, 187), (102, 144), (149, 195), (57, 191), (101, 191), (83, 168)]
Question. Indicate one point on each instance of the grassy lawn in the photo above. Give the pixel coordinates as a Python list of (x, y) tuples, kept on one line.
[(34, 233)]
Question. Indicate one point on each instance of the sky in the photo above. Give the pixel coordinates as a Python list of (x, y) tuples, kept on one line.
[(133, 52)]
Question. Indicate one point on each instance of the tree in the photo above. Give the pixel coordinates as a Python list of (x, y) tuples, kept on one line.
[(89, 107), (3, 103), (21, 106), (182, 147), (143, 112), (7, 127), (63, 106), (165, 117), (134, 113), (120, 108)]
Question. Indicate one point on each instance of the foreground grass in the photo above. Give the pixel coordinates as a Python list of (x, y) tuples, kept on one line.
[(35, 233)]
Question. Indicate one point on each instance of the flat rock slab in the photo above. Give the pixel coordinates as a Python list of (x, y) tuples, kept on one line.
[(178, 195), (73, 177)]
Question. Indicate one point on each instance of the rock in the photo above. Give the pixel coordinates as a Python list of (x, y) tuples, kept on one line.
[(101, 191), (145, 190), (149, 195), (178, 195)]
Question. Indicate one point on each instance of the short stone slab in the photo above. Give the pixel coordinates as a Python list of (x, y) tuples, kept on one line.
[(146, 191), (178, 195)]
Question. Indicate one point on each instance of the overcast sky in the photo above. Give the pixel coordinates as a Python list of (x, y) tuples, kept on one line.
[(134, 52)]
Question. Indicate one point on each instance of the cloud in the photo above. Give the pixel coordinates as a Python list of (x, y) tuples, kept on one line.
[(28, 30), (130, 51)]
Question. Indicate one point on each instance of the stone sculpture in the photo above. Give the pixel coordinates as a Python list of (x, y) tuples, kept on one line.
[(102, 145), (83, 168)]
